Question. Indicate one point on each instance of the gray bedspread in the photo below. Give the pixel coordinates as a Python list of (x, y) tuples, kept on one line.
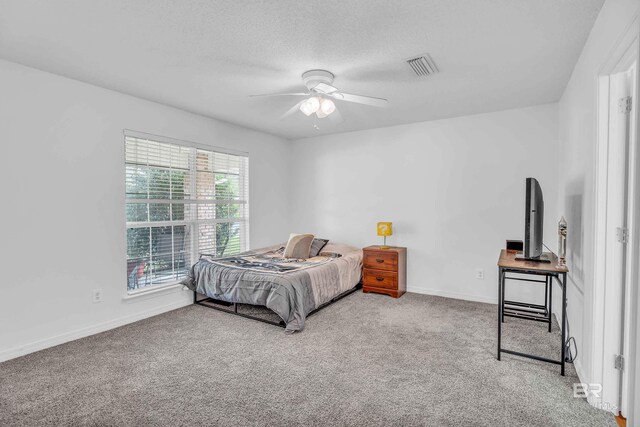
[(291, 288)]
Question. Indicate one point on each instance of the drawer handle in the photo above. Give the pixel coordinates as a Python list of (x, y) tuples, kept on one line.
[(380, 279), (380, 260)]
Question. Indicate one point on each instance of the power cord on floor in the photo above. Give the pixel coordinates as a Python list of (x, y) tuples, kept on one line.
[(569, 356)]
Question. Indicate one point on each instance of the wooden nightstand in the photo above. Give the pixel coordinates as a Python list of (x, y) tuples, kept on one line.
[(385, 270)]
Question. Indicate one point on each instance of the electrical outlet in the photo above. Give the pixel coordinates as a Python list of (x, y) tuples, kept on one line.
[(97, 295), (480, 274)]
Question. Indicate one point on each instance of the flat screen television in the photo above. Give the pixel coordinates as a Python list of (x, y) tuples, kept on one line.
[(534, 218)]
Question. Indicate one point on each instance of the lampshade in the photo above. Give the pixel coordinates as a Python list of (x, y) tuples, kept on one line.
[(327, 106), (384, 229), (310, 105)]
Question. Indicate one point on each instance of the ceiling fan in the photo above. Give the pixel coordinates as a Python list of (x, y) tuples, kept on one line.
[(318, 97)]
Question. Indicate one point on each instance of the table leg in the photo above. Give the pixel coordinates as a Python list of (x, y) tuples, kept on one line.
[(546, 293), (504, 291), (500, 309), (504, 287), (550, 301), (564, 320)]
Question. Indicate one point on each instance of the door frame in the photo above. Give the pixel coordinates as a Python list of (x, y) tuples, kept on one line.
[(625, 53)]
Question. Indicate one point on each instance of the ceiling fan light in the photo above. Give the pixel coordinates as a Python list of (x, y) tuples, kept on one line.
[(321, 114), (327, 107), (305, 110), (310, 106)]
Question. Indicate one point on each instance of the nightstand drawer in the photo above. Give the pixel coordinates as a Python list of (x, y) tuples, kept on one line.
[(380, 279), (381, 260)]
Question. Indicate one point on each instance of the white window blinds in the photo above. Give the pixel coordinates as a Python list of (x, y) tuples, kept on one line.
[(181, 201)]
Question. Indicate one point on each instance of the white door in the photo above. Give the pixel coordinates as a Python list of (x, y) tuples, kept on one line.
[(621, 108), (631, 259)]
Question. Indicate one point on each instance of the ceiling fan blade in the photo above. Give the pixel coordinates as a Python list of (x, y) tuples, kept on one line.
[(360, 99), (292, 110), (336, 117), (281, 94), (325, 88)]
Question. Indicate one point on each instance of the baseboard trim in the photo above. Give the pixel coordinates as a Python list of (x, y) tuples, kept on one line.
[(25, 349), (576, 364), (454, 295)]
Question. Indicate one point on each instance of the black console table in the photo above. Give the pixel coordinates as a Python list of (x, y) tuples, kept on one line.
[(507, 263)]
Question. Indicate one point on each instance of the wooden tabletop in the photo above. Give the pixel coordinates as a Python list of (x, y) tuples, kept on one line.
[(385, 248), (508, 260)]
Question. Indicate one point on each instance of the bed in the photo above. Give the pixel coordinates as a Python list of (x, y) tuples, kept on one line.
[(292, 288)]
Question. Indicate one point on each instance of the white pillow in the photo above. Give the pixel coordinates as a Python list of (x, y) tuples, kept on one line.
[(298, 246)]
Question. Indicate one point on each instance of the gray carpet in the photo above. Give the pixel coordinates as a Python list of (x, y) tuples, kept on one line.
[(366, 360)]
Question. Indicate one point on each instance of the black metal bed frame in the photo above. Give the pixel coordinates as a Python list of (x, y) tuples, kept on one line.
[(208, 301)]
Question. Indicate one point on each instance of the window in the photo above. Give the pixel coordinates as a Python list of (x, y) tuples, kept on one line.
[(181, 201)]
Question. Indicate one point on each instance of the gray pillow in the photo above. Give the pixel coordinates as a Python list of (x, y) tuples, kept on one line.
[(298, 246), (316, 246)]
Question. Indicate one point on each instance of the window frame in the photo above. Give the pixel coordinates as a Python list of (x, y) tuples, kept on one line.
[(192, 223)]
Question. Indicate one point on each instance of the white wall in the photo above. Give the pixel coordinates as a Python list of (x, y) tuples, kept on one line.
[(454, 190), (577, 137), (63, 203)]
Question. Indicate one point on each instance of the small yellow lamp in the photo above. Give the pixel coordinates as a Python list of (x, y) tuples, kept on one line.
[(384, 229)]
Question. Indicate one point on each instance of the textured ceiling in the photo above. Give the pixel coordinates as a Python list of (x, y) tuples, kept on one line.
[(207, 56)]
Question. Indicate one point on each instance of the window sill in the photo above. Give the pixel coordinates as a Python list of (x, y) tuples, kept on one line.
[(154, 291)]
